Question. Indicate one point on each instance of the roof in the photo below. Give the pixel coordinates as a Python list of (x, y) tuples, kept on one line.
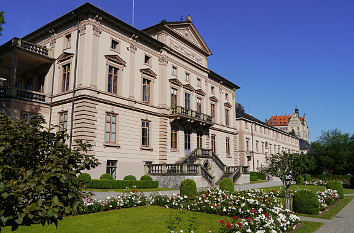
[(218, 78), (281, 120), (240, 114), (88, 10), (169, 26)]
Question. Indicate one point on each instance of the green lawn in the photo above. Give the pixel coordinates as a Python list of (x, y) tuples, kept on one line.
[(292, 187), (128, 190), (149, 219), (348, 191), (308, 227)]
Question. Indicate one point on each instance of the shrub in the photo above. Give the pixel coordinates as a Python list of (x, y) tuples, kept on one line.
[(106, 177), (188, 187), (261, 176), (84, 177), (227, 184), (122, 184), (306, 202), (146, 177), (352, 182), (308, 178), (300, 179), (129, 177), (336, 185), (253, 176)]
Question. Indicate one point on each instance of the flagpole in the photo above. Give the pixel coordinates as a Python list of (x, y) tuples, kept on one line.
[(133, 15)]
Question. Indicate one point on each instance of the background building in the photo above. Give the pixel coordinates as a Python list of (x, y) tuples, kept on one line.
[(291, 124), (257, 140)]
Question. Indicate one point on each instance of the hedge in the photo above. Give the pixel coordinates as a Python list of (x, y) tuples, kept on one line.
[(84, 177), (306, 202), (352, 182), (122, 184), (227, 184), (188, 187), (106, 177), (146, 177), (336, 185), (129, 177), (257, 176), (308, 178), (253, 176), (300, 180)]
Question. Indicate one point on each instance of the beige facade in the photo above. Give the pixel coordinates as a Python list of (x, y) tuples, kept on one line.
[(257, 141), (139, 95)]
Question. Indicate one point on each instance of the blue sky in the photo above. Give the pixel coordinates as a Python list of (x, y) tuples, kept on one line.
[(282, 53)]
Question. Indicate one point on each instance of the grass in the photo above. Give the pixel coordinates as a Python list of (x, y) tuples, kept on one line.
[(333, 210), (293, 187), (146, 219), (348, 191), (258, 181), (128, 190), (307, 227)]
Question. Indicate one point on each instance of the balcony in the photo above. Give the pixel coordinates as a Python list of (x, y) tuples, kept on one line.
[(29, 95), (191, 116)]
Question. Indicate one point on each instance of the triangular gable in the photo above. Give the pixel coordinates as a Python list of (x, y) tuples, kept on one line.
[(227, 104), (188, 87), (148, 72), (65, 56), (188, 31), (175, 81), (213, 98), (200, 92), (115, 58)]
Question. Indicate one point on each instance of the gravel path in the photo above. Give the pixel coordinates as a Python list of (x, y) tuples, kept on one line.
[(275, 182)]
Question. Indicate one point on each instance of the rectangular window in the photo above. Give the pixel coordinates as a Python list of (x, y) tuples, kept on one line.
[(63, 121), (67, 41), (226, 96), (227, 122), (146, 90), (173, 137), (114, 45), (213, 144), (111, 127), (173, 97), (147, 60), (227, 145), (66, 77), (111, 168), (199, 104), (112, 79), (27, 116), (187, 100), (247, 145), (145, 132), (174, 70), (212, 88), (199, 140), (187, 77), (212, 110), (199, 82)]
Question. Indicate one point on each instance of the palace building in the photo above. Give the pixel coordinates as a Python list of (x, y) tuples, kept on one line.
[(258, 140), (144, 99)]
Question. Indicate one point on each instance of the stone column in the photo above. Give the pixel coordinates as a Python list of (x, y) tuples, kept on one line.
[(94, 65)]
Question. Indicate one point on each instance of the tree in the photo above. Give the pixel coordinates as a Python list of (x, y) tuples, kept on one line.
[(38, 173), (333, 152), (293, 132), (287, 167), (2, 20)]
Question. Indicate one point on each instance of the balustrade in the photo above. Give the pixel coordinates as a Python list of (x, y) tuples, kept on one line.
[(191, 114), (30, 95)]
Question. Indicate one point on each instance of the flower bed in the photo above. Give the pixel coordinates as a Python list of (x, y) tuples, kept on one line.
[(327, 198), (252, 210), (322, 180)]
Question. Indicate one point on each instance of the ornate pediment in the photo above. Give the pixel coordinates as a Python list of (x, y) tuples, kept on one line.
[(148, 72), (213, 98), (188, 87), (175, 81), (65, 56), (188, 32), (116, 59), (200, 92), (227, 104)]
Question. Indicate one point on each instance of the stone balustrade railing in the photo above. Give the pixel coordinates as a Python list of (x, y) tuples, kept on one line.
[(191, 113), (172, 169)]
